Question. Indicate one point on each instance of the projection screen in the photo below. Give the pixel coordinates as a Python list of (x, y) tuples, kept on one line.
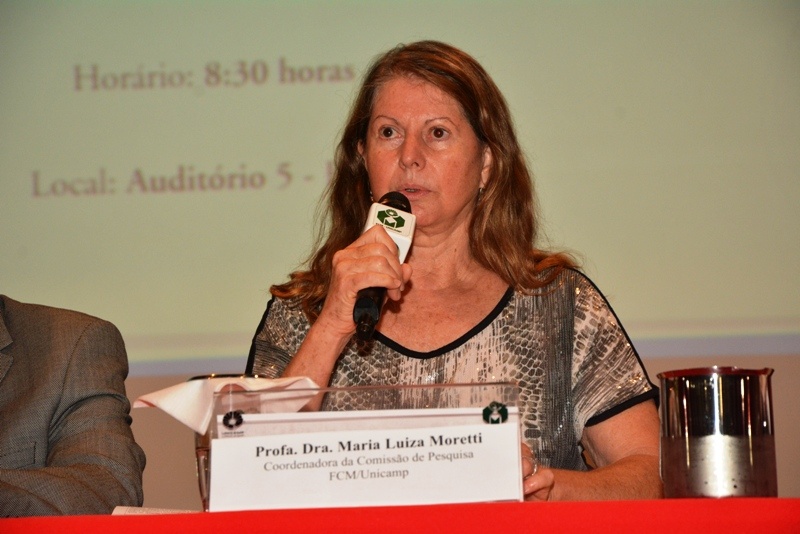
[(162, 163)]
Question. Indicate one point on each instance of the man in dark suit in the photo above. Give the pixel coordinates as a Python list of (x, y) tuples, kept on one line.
[(66, 445)]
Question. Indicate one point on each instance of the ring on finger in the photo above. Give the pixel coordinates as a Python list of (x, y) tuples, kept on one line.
[(534, 463)]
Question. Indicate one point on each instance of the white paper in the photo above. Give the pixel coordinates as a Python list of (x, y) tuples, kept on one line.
[(192, 402)]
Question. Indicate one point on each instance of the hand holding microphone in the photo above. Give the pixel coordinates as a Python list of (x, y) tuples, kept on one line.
[(393, 212)]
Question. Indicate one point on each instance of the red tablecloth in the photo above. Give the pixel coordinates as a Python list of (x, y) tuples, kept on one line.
[(670, 515)]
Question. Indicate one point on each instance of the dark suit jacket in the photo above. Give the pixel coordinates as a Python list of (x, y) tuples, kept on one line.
[(66, 445)]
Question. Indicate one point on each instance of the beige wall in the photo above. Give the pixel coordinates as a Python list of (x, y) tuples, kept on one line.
[(170, 477)]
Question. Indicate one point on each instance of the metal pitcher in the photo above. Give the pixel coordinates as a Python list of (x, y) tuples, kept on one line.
[(717, 436)]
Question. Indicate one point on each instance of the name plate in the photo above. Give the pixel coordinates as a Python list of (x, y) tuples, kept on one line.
[(364, 458)]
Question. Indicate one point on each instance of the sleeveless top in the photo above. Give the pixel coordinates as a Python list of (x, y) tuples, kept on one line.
[(562, 345)]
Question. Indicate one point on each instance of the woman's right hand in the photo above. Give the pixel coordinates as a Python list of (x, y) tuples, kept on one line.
[(370, 261)]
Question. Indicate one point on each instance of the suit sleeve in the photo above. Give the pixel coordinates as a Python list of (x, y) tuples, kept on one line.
[(93, 463)]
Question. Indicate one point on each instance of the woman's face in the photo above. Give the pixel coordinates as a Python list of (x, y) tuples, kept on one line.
[(419, 143)]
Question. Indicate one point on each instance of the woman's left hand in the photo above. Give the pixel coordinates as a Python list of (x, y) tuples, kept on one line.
[(537, 481)]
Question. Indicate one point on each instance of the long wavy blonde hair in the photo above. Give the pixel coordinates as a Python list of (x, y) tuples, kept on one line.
[(504, 224)]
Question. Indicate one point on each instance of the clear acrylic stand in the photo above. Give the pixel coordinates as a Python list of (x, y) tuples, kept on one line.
[(467, 434)]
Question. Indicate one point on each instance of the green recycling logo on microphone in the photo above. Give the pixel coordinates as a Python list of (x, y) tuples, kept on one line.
[(391, 218)]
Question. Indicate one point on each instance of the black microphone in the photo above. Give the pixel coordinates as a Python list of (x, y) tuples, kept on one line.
[(393, 212)]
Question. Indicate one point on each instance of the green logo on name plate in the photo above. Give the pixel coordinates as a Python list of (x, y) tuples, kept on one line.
[(495, 413)]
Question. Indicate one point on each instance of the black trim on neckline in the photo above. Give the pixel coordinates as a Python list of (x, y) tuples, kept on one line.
[(453, 344)]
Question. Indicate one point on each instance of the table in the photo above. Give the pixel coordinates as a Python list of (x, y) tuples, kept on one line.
[(674, 515)]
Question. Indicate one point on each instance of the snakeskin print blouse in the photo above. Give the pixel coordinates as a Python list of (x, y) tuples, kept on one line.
[(563, 346)]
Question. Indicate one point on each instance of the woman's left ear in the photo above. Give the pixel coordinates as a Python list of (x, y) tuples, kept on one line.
[(486, 170), (360, 148)]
